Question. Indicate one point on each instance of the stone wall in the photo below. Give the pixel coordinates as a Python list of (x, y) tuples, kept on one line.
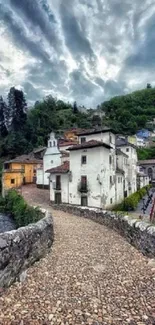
[(138, 233), (22, 247)]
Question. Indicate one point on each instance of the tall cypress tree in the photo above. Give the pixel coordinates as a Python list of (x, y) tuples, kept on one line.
[(3, 129), (18, 108)]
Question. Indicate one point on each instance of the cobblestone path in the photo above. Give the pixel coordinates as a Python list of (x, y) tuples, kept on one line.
[(92, 276)]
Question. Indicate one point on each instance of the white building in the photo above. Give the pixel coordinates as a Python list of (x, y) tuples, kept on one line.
[(131, 176), (142, 178), (51, 158), (97, 173)]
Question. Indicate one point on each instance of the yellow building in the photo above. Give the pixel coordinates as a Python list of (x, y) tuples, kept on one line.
[(71, 134), (132, 139), (19, 171)]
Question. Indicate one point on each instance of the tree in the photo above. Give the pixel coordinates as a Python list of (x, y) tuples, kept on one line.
[(3, 129), (75, 108), (148, 86), (18, 109), (96, 121)]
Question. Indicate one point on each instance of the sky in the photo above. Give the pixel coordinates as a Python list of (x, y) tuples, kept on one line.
[(76, 50)]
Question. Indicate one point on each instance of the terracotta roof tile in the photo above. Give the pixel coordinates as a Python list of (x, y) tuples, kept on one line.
[(90, 144), (62, 169)]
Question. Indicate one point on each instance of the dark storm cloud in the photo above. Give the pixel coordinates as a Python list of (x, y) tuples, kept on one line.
[(32, 12), (144, 56), (19, 36), (75, 39), (112, 42)]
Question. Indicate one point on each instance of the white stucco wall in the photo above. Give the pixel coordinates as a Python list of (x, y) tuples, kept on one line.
[(119, 188), (97, 169), (51, 159), (64, 188), (132, 167), (39, 175)]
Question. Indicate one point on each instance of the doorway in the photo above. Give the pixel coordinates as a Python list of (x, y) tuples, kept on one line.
[(57, 198)]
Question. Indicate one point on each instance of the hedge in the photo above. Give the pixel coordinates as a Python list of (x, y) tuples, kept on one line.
[(131, 202), (14, 205)]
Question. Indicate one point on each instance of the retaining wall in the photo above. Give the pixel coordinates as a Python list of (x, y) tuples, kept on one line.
[(22, 247), (138, 233)]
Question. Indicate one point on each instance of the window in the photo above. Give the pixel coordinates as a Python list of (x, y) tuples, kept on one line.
[(83, 160), (50, 144), (127, 149), (84, 201), (84, 183), (118, 179), (58, 182), (110, 201), (110, 138), (53, 143), (110, 180), (83, 139), (51, 161), (110, 160), (12, 181), (23, 168)]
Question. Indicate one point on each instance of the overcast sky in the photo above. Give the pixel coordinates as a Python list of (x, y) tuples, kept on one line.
[(83, 50)]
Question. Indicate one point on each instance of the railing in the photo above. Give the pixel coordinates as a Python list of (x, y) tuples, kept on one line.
[(13, 170)]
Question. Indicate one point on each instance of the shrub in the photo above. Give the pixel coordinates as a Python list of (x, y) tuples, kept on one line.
[(22, 213), (130, 203)]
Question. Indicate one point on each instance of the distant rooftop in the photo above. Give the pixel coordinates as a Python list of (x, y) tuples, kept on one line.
[(120, 142), (25, 159), (146, 162), (95, 131), (90, 144), (62, 169)]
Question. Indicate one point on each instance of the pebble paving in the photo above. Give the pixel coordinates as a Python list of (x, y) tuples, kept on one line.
[(92, 276)]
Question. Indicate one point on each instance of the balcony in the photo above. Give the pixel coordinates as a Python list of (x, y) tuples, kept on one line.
[(83, 188)]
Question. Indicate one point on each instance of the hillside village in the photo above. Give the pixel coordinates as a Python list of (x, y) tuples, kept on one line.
[(87, 167)]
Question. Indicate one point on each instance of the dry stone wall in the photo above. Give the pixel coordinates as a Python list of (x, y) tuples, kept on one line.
[(138, 233), (22, 247)]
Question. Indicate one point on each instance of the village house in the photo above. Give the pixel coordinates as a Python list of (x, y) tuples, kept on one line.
[(97, 173), (131, 174), (148, 168), (19, 171)]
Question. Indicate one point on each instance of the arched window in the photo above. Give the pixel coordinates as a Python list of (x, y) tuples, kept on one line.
[(53, 143)]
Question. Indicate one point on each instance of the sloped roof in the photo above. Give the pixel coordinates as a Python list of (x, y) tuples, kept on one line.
[(124, 142), (95, 131), (26, 159), (65, 143), (120, 152), (146, 162), (90, 144), (62, 169)]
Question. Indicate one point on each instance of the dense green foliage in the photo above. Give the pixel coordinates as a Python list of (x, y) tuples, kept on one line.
[(126, 114), (146, 153), (22, 129), (130, 203), (21, 212)]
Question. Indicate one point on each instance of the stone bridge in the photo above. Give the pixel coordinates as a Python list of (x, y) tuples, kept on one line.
[(92, 276)]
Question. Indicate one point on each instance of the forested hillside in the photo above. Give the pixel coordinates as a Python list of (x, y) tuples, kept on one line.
[(23, 128), (127, 114)]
